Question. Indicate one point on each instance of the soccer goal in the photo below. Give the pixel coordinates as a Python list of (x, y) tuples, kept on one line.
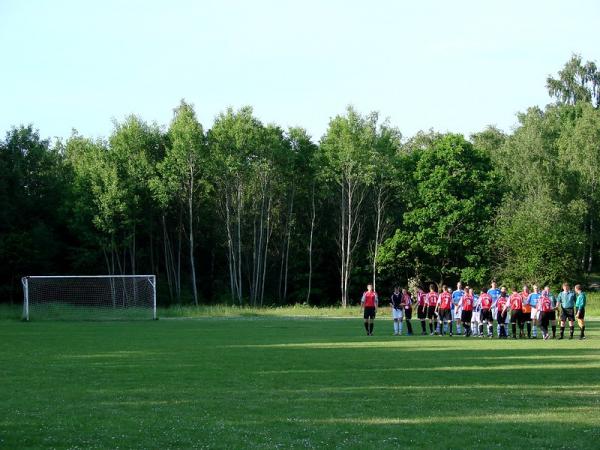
[(97, 297)]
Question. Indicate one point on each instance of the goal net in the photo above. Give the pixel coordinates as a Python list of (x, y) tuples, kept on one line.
[(99, 297)]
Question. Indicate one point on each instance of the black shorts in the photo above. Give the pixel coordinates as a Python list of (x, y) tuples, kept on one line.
[(552, 315), (516, 315), (501, 317), (445, 315), (408, 313), (580, 313), (430, 312), (545, 318), (526, 316), (567, 314), (466, 316), (422, 312), (369, 312), (486, 315)]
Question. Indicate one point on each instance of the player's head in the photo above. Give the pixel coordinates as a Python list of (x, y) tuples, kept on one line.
[(484, 290), (369, 287), (470, 291), (578, 288), (535, 288), (444, 288), (493, 284), (503, 290), (514, 289), (404, 291), (396, 289), (566, 287), (525, 288), (431, 288), (459, 286), (547, 289)]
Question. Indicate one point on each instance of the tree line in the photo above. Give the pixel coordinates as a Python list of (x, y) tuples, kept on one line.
[(252, 214)]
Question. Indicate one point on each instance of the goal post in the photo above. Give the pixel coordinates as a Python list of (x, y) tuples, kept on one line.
[(89, 297)]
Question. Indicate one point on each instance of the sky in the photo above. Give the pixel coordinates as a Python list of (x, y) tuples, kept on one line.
[(448, 65)]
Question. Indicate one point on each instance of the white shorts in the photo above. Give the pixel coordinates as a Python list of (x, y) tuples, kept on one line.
[(535, 314), (456, 312), (507, 317), (476, 316), (397, 313)]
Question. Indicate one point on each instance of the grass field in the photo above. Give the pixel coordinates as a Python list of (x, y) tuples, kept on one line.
[(277, 382)]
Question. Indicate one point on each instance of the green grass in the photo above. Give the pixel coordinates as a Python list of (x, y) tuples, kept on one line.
[(277, 382)]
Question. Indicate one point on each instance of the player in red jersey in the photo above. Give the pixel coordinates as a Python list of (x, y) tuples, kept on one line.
[(502, 305), (444, 310), (526, 318), (369, 302), (516, 313), (546, 309), (408, 308), (432, 298), (466, 314), (422, 309), (486, 301)]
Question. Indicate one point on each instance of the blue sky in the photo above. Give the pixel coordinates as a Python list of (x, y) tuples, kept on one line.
[(453, 66)]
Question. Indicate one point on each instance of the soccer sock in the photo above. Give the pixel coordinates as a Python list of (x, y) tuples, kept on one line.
[(514, 329), (571, 330), (395, 326), (562, 331), (367, 326), (529, 329), (400, 327), (490, 330), (582, 331), (371, 327), (458, 329), (501, 331), (409, 327), (450, 327), (553, 330), (480, 328), (430, 327), (423, 326)]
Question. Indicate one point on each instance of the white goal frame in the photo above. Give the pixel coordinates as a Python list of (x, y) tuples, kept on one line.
[(25, 282)]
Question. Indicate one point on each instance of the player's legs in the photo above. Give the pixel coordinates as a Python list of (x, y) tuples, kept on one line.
[(581, 322)]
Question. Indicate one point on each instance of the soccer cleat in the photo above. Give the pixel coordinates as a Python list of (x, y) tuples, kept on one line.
[(581, 338), (545, 337), (561, 337)]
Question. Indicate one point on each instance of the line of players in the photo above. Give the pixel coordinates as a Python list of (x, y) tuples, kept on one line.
[(476, 313)]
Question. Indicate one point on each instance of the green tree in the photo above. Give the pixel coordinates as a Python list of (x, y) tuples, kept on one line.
[(576, 82)]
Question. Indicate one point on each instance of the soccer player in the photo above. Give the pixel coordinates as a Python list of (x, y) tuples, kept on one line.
[(432, 298), (566, 300), (466, 314), (580, 310), (422, 309), (501, 313), (516, 313), (544, 306), (494, 293), (526, 315), (476, 317), (486, 313), (444, 308), (532, 300), (397, 310), (552, 314), (408, 305), (369, 302), (457, 296)]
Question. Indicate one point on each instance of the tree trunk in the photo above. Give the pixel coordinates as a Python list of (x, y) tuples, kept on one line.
[(191, 220), (310, 243)]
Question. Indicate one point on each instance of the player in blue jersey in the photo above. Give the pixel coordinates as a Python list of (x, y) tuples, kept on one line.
[(476, 315), (457, 296), (494, 292), (534, 314)]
